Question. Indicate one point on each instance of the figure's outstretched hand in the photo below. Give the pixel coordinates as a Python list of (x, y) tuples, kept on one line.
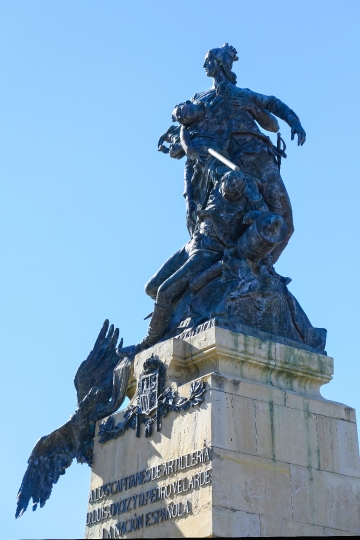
[(297, 129)]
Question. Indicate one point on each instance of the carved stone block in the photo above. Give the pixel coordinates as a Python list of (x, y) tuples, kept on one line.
[(260, 453)]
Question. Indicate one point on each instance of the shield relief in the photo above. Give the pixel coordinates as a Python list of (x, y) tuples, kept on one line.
[(148, 394)]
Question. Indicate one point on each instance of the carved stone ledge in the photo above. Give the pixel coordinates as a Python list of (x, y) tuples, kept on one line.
[(241, 357)]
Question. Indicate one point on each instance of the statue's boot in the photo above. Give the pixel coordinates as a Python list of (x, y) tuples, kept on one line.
[(158, 324)]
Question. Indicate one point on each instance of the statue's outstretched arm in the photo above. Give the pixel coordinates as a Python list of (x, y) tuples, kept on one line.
[(281, 110)]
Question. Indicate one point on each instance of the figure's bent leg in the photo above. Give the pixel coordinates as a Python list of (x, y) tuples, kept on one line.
[(171, 289), (159, 322), (167, 292), (179, 281), (168, 269)]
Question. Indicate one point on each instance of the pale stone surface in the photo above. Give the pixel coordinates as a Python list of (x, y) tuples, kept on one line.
[(238, 435), (239, 356), (248, 389), (235, 522), (325, 499), (286, 434), (338, 446), (337, 532), (284, 461), (320, 406), (251, 484), (274, 526), (247, 357)]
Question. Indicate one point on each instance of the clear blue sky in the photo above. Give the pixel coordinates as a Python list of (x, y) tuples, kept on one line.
[(90, 209)]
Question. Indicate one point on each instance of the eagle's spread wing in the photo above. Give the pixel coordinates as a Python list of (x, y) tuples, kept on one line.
[(101, 382), (50, 457)]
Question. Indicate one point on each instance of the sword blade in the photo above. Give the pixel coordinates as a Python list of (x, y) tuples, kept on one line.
[(223, 160)]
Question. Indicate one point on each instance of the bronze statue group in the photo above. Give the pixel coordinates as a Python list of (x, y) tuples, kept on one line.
[(239, 220)]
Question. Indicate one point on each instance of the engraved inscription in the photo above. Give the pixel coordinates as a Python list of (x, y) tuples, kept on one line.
[(137, 502)]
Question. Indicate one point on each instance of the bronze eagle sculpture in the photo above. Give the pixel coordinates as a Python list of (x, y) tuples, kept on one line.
[(101, 382)]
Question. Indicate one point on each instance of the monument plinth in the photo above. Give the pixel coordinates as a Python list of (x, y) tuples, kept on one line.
[(260, 453)]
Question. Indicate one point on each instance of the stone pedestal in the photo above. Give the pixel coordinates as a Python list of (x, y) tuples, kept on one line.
[(263, 455)]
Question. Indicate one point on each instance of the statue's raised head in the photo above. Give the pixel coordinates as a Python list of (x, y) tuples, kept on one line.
[(221, 58)]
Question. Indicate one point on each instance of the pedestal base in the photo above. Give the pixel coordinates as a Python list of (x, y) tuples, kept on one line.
[(263, 455)]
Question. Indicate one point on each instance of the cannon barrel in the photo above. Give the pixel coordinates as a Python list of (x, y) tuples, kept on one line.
[(267, 231)]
